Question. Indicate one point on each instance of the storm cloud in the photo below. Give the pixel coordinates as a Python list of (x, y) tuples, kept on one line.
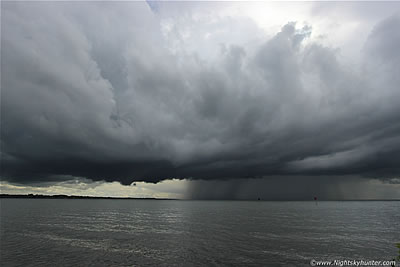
[(124, 91)]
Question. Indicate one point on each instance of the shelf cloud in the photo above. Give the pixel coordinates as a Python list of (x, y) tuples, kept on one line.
[(127, 91)]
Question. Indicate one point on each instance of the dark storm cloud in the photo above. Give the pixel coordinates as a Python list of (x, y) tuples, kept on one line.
[(102, 91)]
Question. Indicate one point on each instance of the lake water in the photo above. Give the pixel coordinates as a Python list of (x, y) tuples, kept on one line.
[(82, 232)]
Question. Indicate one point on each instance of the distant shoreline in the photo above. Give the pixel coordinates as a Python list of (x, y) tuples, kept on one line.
[(75, 197), (35, 196)]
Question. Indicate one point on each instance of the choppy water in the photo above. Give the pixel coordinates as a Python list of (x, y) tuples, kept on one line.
[(74, 232)]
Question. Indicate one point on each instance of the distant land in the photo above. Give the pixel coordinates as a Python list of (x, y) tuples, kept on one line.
[(76, 197)]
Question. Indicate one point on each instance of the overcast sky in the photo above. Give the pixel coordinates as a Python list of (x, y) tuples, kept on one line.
[(283, 100)]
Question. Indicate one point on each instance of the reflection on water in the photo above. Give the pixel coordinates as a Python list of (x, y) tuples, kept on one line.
[(76, 232)]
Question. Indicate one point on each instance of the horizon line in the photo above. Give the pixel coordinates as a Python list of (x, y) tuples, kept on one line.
[(62, 196)]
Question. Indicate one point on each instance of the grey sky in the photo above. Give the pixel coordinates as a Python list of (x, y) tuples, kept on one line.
[(124, 91)]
